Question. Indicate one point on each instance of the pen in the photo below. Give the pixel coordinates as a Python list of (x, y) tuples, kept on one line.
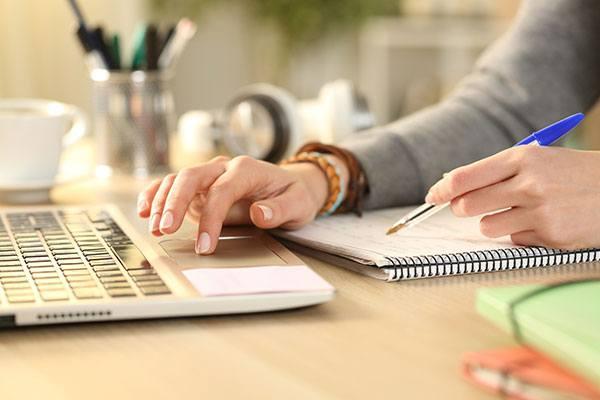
[(543, 137), (166, 38), (184, 30), (90, 44), (151, 43), (115, 50), (139, 47), (98, 35)]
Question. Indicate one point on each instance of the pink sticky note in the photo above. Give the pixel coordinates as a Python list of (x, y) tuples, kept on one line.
[(253, 280)]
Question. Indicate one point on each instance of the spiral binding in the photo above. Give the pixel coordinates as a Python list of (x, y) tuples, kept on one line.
[(401, 268)]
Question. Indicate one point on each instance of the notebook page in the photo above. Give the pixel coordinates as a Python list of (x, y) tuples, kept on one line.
[(364, 239)]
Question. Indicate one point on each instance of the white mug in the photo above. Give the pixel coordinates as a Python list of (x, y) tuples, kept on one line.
[(33, 133)]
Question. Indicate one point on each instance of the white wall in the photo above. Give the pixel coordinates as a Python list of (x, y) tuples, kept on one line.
[(40, 56)]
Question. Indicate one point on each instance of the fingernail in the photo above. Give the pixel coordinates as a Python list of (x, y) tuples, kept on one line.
[(203, 243), (267, 212), (142, 204), (153, 226), (167, 220)]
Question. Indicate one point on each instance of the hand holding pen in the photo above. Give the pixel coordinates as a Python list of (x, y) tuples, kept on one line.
[(499, 182)]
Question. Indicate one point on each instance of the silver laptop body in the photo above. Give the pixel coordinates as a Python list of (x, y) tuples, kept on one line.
[(81, 264)]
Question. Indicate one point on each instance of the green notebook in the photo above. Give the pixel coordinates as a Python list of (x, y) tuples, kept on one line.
[(562, 322)]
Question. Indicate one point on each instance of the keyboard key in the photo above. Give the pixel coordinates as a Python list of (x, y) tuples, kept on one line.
[(47, 281), (49, 237), (82, 284), (18, 291), (28, 298), (113, 279), (9, 263), (105, 274), (55, 242), (120, 292), (29, 258), (73, 267), (87, 293), (140, 272), (76, 272), (11, 274), (104, 256), (54, 295), (115, 285), (42, 275), (33, 253), (62, 247), (145, 278), (39, 264), (95, 251), (66, 251), (22, 278), (92, 247), (106, 268), (69, 262), (155, 290), (95, 263), (12, 268), (43, 269), (16, 285), (68, 256), (155, 282), (79, 278), (32, 245), (54, 286)]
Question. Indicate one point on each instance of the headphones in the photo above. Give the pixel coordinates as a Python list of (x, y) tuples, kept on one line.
[(268, 123)]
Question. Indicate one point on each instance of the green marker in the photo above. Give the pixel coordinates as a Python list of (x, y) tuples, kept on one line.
[(139, 47), (115, 50)]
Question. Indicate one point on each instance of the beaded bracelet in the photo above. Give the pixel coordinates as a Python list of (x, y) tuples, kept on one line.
[(335, 182)]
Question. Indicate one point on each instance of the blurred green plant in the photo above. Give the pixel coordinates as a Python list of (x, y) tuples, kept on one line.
[(299, 21)]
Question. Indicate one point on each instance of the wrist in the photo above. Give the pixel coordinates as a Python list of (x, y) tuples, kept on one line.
[(314, 179)]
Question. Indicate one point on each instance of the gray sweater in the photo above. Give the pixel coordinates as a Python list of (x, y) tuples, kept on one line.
[(545, 67)]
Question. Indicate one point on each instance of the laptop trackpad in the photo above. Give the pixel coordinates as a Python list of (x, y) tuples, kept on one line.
[(244, 251)]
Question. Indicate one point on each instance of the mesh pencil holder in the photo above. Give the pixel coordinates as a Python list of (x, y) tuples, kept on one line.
[(133, 115)]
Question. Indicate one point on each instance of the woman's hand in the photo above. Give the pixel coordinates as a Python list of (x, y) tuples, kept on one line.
[(538, 195), (233, 191)]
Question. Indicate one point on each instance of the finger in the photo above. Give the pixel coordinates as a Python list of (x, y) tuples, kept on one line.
[(488, 171), (506, 222), (158, 203), (186, 186), (491, 198), (288, 210), (227, 189), (238, 214), (145, 198), (526, 238)]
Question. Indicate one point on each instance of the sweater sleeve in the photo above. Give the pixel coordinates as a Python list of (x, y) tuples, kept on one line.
[(545, 67)]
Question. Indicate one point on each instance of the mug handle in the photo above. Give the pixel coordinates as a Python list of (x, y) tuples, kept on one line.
[(78, 129)]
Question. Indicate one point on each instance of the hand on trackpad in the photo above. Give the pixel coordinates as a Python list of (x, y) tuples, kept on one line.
[(233, 251)]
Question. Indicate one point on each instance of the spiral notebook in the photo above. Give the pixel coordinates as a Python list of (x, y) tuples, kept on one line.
[(440, 246)]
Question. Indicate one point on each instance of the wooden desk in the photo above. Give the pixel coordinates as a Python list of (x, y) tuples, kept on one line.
[(374, 340)]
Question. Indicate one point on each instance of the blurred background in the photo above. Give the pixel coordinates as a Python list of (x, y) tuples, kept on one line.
[(402, 54)]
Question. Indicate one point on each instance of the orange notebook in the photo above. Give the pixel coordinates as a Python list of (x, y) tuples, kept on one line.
[(520, 373)]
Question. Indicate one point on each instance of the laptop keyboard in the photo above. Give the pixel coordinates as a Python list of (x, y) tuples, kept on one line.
[(62, 255)]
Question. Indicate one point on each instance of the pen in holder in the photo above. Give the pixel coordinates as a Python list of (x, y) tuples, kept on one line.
[(133, 115)]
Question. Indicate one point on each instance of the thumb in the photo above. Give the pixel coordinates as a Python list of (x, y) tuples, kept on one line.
[(291, 209)]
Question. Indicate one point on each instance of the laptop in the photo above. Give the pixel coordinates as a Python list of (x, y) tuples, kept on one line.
[(82, 264)]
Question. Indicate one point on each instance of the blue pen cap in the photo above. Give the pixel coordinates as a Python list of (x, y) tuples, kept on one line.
[(551, 133)]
